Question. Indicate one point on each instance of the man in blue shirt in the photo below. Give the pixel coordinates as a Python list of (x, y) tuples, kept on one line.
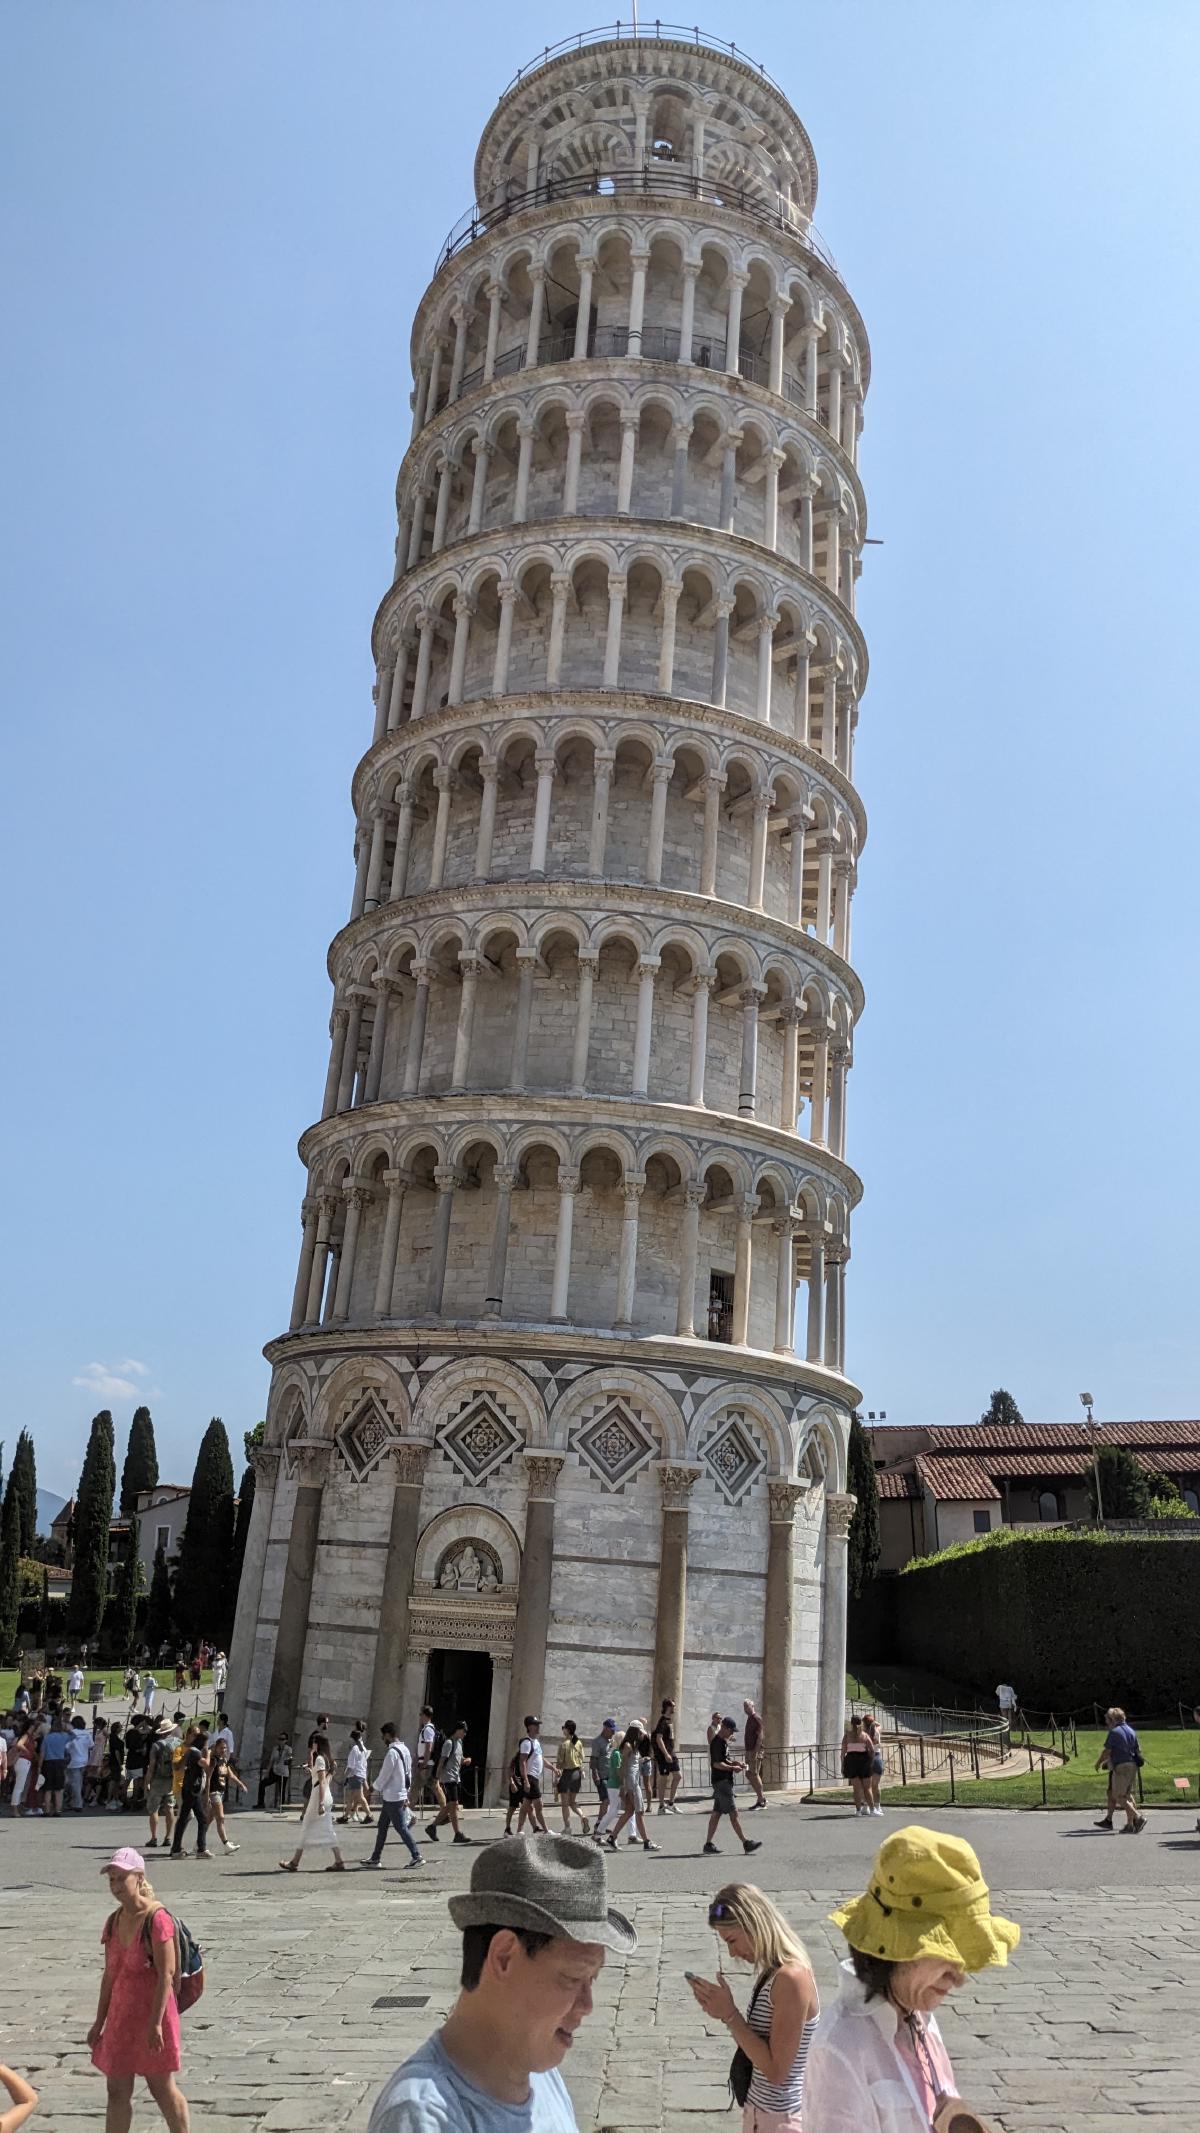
[(536, 1925), (1120, 1756)]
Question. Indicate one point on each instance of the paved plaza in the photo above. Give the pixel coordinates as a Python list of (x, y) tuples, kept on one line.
[(1092, 2024)]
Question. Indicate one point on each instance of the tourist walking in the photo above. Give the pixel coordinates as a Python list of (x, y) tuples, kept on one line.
[(724, 1774), (75, 1685), (136, 2030), (533, 1763), (568, 1776), (149, 1695), (221, 1775), (55, 1744), (752, 1744), (451, 1764), (79, 1750), (391, 1789), (536, 1926), (857, 1754), (426, 1767), (877, 2063), (1006, 1697), (277, 1772), (713, 1728), (354, 1788), (600, 1770), (21, 2096), (191, 1769), (774, 2035), (97, 1757), (220, 1675), (516, 1791), (112, 1790), (633, 1798), (871, 1729), (316, 1823), (1121, 1756), (26, 1758), (160, 1782), (666, 1760)]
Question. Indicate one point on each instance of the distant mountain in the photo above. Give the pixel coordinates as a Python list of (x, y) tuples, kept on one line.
[(48, 1507)]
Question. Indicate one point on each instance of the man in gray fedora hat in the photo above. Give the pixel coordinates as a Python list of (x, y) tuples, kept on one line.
[(536, 1924)]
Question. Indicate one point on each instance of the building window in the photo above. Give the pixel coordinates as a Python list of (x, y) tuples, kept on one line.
[(983, 1521), (720, 1307), (1048, 1505), (1192, 1501), (162, 1539)]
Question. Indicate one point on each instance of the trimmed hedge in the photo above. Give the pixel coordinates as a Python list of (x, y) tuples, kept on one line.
[(1071, 1618)]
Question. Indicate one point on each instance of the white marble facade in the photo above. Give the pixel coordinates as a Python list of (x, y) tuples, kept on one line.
[(545, 1395)]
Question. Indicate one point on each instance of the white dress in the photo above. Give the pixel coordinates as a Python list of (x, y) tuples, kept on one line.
[(316, 1823)]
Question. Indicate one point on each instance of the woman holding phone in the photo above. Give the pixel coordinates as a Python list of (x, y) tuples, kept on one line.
[(774, 2035)]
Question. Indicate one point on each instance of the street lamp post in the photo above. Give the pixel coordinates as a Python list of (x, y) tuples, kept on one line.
[(1085, 1399)]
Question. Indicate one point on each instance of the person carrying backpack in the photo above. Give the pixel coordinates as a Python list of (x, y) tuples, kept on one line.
[(136, 2030)]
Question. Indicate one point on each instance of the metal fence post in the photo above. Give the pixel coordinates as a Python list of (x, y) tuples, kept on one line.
[(903, 1774), (921, 1748), (1043, 1781), (952, 1794)]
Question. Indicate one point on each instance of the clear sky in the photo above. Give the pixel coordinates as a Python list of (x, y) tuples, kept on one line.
[(216, 221)]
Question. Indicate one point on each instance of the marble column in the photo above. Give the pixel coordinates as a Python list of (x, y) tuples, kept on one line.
[(643, 1031), (694, 1196), (702, 987), (532, 1628), (629, 438), (660, 781), (471, 969), (422, 974), (588, 960), (785, 1283), (337, 1052), (576, 425), (733, 322), (612, 636), (527, 963), (601, 789), (391, 1641), (747, 1208), (489, 772), (482, 450), (463, 611), (357, 1197), (839, 1510), (670, 1619), (316, 1287), (308, 1246), (546, 769), (404, 824), (779, 1622), (714, 786), (633, 1188), (568, 1188), (504, 1179), (444, 782), (494, 291), (383, 992), (666, 637), (749, 996), (265, 1461), (583, 316), (291, 1635), (816, 1287), (396, 1184), (445, 1178)]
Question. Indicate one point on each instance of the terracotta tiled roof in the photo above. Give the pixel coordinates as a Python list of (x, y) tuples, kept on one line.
[(956, 1480), (896, 1484), (978, 1437)]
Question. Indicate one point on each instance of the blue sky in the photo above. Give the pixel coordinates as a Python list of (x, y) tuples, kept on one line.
[(215, 222)]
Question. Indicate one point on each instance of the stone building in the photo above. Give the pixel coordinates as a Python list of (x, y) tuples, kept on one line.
[(540, 1434)]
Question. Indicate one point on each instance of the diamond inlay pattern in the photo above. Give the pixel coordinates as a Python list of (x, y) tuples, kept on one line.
[(364, 1436), (615, 1443), (733, 1458), (480, 1437)]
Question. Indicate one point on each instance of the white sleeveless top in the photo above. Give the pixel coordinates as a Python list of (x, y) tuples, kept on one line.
[(782, 2096)]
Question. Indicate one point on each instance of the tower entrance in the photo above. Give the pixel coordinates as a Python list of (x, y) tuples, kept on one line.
[(459, 1686)]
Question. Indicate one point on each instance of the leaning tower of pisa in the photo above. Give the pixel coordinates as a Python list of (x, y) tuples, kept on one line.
[(548, 1431)]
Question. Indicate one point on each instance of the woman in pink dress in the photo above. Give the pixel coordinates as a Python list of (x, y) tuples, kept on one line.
[(136, 2030)]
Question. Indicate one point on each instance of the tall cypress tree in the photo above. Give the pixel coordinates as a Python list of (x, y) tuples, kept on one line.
[(241, 1527), (140, 1470), (203, 1602), (24, 1478), (863, 1544), (93, 1517), (10, 1557), (159, 1622), (1002, 1410), (131, 1584)]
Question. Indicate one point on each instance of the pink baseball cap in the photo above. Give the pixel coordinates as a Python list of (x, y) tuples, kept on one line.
[(125, 1861)]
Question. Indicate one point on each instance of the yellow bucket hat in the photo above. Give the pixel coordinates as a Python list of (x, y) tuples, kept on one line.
[(927, 1897)]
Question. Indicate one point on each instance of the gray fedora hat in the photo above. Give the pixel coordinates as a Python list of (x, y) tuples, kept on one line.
[(553, 1885)]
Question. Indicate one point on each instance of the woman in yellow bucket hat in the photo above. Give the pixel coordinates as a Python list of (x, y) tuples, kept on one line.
[(877, 2063)]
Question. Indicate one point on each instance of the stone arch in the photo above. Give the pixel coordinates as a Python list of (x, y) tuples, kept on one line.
[(469, 1520), (471, 1374), (762, 1407), (360, 1374), (291, 1394), (822, 1428), (643, 1393)]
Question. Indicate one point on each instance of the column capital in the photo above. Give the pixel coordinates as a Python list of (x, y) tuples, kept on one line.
[(424, 973), (560, 583), (696, 1193), (649, 966), (465, 605), (690, 270), (732, 438), (604, 762), (737, 278), (746, 1206), (489, 768), (589, 958), (443, 779), (677, 1483), (783, 1496), (780, 306), (670, 592), (723, 609), (750, 995), (661, 773), (630, 418), (546, 766), (481, 447), (507, 592), (398, 1180), (576, 420), (776, 456), (839, 1511), (542, 1470), (528, 958), (537, 271), (681, 433), (504, 1177), (569, 1181), (404, 795), (811, 332), (265, 1460), (618, 585), (445, 1177), (472, 966), (786, 1225), (357, 1195), (408, 1462), (633, 1187), (309, 1457)]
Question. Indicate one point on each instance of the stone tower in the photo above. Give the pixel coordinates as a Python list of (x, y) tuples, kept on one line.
[(541, 1435)]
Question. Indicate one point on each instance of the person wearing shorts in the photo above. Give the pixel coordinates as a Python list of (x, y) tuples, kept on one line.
[(666, 1762), (858, 1753), (533, 1762), (160, 1782), (752, 1738), (600, 1766), (568, 1776), (54, 1767), (451, 1763), (724, 1771)]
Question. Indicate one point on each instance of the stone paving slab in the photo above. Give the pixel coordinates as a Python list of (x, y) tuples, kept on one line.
[(1090, 2026)]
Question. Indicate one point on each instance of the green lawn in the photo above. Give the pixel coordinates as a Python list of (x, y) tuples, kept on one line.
[(115, 1679), (1169, 1754)]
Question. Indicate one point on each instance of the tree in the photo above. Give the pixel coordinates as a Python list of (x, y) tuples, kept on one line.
[(123, 1607), (23, 1477), (252, 1438), (93, 1518), (862, 1548), (241, 1526), (140, 1470), (159, 1620), (203, 1601), (1125, 1487), (10, 1557), (1002, 1411)]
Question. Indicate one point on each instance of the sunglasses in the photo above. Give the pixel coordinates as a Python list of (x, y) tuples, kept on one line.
[(719, 1911)]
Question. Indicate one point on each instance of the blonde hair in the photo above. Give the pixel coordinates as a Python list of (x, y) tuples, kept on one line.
[(767, 1930)]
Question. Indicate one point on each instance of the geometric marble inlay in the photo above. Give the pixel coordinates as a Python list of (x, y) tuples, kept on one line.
[(614, 1443), (364, 1436), (480, 1437), (733, 1458)]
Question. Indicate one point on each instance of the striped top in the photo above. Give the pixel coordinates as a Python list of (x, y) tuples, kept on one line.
[(782, 2096)]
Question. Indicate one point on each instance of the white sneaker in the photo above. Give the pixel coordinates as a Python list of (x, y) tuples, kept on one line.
[(877, 1810), (233, 1847)]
